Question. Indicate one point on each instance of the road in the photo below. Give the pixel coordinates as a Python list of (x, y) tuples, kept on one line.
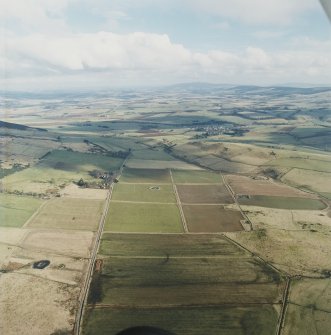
[(94, 252)]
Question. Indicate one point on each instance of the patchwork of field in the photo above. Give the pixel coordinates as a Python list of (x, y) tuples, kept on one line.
[(144, 193), (282, 202), (148, 277), (16, 210), (204, 194), (212, 218), (308, 311), (69, 213), (136, 217), (259, 186)]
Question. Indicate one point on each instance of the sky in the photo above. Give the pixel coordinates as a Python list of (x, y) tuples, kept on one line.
[(95, 44)]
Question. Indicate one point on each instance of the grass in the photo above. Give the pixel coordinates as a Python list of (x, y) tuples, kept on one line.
[(167, 244), (146, 176), (16, 210), (282, 202), (204, 194), (151, 154), (208, 219), (160, 164), (130, 217), (195, 177), (69, 213), (185, 321), (144, 193)]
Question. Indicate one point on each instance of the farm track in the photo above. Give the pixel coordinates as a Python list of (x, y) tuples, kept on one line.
[(94, 252), (179, 204)]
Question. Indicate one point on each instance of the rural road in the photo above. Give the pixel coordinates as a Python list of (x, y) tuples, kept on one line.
[(94, 252)]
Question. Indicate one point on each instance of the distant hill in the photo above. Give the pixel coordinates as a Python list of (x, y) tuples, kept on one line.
[(16, 126)]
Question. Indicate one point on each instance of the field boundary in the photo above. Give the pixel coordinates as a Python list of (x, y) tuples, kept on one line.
[(179, 204)]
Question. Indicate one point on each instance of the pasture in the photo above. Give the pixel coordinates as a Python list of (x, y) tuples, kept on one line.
[(196, 177), (69, 213), (144, 193), (160, 164), (282, 202), (204, 194), (212, 219), (134, 217), (151, 176), (16, 210)]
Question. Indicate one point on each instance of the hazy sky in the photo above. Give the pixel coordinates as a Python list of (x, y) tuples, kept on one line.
[(105, 43)]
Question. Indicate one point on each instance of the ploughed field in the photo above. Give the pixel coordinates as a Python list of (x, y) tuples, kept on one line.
[(175, 277)]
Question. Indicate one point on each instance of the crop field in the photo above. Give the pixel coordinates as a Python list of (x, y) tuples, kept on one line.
[(152, 154), (248, 185), (159, 164), (173, 245), (144, 193), (16, 210), (69, 213), (212, 218), (204, 194), (185, 321), (282, 202), (153, 176), (309, 312), (135, 217), (169, 280), (196, 177)]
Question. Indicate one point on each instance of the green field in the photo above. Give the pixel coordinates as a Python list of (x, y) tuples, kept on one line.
[(69, 213), (282, 202), (131, 217), (186, 321), (146, 176), (151, 154), (79, 162), (144, 193), (309, 311), (177, 245), (196, 177), (16, 210)]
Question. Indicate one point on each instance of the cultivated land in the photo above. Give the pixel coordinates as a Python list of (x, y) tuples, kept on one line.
[(201, 162)]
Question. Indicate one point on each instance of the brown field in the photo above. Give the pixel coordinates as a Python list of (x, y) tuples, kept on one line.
[(212, 218), (72, 243), (204, 194), (248, 185), (31, 305)]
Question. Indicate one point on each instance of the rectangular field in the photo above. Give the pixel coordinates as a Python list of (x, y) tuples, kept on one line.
[(146, 176), (131, 217), (174, 245), (155, 164), (69, 213), (16, 210), (144, 193), (282, 202), (196, 177), (211, 219), (248, 185), (204, 194), (220, 320)]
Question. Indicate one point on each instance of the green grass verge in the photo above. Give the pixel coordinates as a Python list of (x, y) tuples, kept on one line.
[(16, 210), (130, 217)]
